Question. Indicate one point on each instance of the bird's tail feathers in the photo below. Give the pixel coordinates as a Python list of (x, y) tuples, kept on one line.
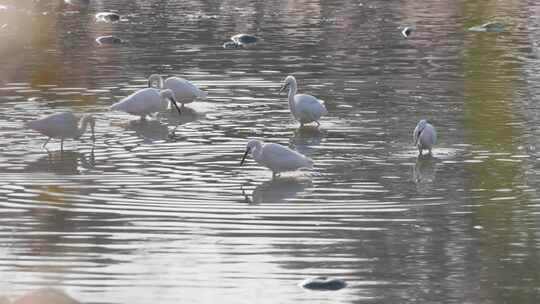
[(323, 104), (202, 94), (309, 162)]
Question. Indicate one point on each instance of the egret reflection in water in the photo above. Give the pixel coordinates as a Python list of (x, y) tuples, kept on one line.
[(150, 130), (306, 137), (278, 190), (67, 162), (424, 171), (171, 117)]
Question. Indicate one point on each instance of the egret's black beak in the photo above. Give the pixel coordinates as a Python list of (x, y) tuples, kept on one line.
[(176, 106), (245, 155), (283, 88)]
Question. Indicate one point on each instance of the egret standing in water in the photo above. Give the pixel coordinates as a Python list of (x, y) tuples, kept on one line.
[(184, 90), (146, 102), (305, 108), (276, 157), (424, 136), (62, 125)]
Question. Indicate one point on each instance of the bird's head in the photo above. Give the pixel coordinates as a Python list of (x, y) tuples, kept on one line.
[(155, 81), (252, 144), (289, 80)]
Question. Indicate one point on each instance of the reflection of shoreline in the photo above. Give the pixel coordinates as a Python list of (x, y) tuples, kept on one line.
[(278, 190), (67, 162)]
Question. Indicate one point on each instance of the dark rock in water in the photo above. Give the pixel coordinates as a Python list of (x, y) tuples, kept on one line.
[(407, 31), (107, 17), (244, 39), (231, 45), (324, 283), (108, 40), (495, 27)]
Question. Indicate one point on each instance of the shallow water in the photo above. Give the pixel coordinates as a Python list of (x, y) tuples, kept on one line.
[(162, 212)]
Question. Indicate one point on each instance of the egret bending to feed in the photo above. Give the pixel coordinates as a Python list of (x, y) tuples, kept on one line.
[(276, 157), (145, 102), (424, 136), (184, 90), (62, 125), (305, 108)]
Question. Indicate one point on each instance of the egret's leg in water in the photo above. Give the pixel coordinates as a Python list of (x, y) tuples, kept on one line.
[(46, 142)]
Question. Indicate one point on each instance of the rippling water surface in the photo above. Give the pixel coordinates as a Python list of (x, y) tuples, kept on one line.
[(162, 212)]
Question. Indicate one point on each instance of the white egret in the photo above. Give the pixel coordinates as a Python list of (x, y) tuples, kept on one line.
[(145, 102), (424, 136), (276, 157), (305, 108), (62, 125), (184, 90)]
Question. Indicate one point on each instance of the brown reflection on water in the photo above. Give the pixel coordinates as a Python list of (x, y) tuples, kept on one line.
[(494, 127)]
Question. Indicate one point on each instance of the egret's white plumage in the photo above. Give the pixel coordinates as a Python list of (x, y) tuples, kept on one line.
[(62, 125), (305, 108), (276, 157), (146, 102), (424, 136), (184, 90)]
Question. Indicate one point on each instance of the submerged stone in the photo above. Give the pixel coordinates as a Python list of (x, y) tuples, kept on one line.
[(107, 17), (406, 31), (231, 45), (323, 283), (495, 27), (108, 40), (244, 39), (77, 2)]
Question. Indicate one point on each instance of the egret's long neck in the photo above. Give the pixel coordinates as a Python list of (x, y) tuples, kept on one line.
[(292, 91), (257, 151)]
